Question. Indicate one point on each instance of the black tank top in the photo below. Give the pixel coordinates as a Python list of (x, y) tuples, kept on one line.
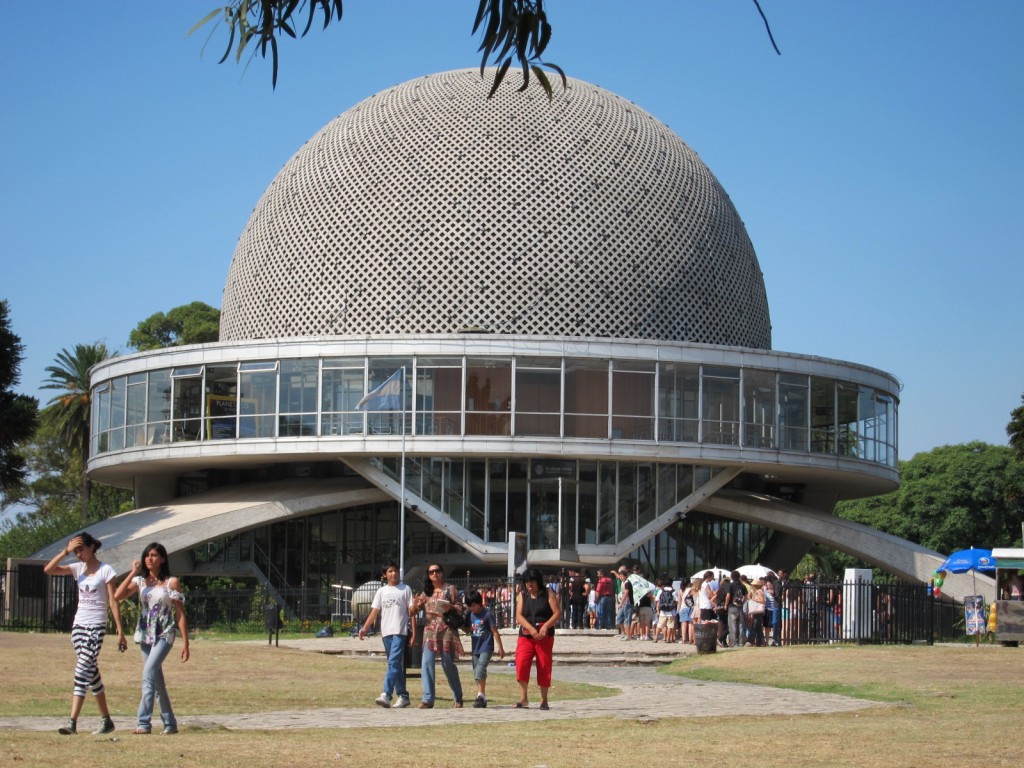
[(536, 610)]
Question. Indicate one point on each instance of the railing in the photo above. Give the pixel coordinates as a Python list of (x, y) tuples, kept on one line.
[(854, 612), (31, 601)]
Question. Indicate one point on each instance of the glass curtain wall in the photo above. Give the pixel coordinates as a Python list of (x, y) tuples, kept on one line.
[(602, 399)]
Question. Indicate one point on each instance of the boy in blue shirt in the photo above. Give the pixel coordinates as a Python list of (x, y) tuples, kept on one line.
[(485, 636)]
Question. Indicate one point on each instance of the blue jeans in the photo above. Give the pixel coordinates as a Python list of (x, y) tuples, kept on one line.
[(153, 686), (394, 680), (605, 611), (737, 634), (450, 671)]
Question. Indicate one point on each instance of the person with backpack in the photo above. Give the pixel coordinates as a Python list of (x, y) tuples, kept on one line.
[(666, 612), (734, 599)]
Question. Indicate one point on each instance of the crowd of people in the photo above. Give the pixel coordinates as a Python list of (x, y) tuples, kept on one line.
[(767, 611)]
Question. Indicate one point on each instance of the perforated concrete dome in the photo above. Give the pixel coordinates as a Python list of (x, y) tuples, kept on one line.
[(428, 209)]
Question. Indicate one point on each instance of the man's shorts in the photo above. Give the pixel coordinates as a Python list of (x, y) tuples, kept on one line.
[(668, 621), (625, 615)]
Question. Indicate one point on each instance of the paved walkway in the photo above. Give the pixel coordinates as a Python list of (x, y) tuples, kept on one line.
[(644, 694)]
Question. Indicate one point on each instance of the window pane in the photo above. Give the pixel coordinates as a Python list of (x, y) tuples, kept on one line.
[(632, 404), (823, 415), (678, 393), (488, 397), (721, 405), (793, 412), (342, 389), (586, 398), (759, 408)]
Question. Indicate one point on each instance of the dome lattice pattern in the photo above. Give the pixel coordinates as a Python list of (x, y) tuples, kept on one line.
[(429, 209)]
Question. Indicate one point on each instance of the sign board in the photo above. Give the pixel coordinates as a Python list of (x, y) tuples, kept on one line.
[(974, 614)]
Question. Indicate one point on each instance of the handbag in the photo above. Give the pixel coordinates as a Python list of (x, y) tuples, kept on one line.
[(453, 620), (755, 607)]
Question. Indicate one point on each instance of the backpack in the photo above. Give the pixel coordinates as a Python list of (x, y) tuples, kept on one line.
[(666, 601)]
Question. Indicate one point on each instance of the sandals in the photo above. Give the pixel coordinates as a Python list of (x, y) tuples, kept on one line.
[(522, 705), (544, 705), (141, 732)]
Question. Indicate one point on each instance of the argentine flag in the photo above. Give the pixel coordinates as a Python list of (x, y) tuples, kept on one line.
[(386, 397)]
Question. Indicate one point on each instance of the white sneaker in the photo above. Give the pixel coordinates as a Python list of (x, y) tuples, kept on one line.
[(383, 701), (401, 703)]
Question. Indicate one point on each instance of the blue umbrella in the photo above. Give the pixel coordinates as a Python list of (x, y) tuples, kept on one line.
[(973, 559)]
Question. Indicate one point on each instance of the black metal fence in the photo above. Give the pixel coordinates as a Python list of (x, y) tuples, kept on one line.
[(31, 601), (857, 612)]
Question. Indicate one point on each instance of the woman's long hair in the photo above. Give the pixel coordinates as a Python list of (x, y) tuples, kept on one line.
[(428, 585), (165, 568), (534, 574)]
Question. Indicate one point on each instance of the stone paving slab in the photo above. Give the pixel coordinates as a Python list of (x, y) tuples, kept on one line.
[(644, 694)]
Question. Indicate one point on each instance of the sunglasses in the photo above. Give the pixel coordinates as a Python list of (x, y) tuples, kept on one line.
[(434, 570)]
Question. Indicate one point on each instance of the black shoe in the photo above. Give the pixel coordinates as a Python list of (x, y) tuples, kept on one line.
[(480, 702)]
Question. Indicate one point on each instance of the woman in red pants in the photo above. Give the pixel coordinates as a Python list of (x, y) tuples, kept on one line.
[(537, 613)]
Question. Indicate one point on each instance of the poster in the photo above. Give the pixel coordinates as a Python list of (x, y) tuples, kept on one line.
[(974, 614)]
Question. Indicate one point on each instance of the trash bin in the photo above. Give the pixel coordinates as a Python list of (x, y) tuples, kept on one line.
[(272, 623), (705, 636)]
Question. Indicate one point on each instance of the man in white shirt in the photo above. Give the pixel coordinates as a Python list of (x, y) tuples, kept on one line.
[(392, 603)]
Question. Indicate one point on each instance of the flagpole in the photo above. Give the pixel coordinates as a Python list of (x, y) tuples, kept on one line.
[(401, 507)]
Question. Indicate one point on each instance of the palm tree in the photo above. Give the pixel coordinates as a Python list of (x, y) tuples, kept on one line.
[(70, 410)]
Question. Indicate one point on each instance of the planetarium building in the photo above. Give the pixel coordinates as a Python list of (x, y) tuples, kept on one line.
[(523, 316)]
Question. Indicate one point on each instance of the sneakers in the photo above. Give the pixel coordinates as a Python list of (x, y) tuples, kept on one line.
[(401, 702), (480, 702), (170, 730), (383, 701), (106, 726), (70, 729)]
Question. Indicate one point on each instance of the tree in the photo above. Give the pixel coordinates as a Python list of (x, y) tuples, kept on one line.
[(951, 497), (195, 323), (70, 411), (50, 500), (510, 28), (18, 413), (1015, 430)]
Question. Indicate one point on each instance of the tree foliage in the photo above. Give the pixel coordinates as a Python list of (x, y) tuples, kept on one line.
[(950, 498), (510, 29), (18, 413), (1015, 430), (195, 323), (50, 500)]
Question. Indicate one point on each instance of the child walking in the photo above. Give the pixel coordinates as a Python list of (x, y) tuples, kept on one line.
[(485, 638), (392, 603)]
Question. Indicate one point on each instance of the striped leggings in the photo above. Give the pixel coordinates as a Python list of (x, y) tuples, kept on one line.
[(87, 642)]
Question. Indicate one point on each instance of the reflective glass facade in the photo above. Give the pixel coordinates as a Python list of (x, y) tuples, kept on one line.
[(566, 397)]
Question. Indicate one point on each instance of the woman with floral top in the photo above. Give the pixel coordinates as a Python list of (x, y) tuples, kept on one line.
[(439, 639), (161, 616)]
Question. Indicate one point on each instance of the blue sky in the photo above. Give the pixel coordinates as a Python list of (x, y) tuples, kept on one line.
[(877, 163)]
